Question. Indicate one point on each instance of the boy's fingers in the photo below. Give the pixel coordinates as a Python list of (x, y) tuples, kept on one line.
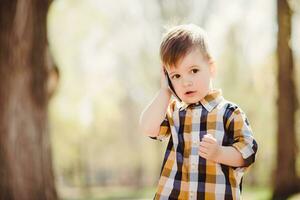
[(204, 144), (162, 71), (204, 149), (202, 152), (209, 136), (203, 155), (164, 80), (208, 139)]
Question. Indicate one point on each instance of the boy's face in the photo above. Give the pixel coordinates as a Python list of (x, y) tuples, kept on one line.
[(191, 76)]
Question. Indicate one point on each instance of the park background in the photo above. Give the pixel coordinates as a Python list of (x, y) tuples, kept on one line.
[(105, 68)]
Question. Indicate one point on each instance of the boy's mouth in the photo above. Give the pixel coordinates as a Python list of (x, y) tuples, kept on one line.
[(190, 93)]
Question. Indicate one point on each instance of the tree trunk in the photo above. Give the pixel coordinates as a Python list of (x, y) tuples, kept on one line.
[(286, 181), (25, 154)]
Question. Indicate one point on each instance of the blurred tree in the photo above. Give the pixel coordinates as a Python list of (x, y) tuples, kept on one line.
[(28, 79), (286, 180)]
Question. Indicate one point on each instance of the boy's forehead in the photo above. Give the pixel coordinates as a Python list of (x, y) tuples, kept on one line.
[(192, 58)]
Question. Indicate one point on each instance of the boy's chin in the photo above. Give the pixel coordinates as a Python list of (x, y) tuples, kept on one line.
[(190, 101)]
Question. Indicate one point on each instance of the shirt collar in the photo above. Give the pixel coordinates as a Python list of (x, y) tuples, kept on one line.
[(209, 102)]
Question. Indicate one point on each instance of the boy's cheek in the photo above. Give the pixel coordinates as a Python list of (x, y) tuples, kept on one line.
[(177, 91)]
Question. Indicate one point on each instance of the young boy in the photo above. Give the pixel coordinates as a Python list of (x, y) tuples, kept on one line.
[(211, 143)]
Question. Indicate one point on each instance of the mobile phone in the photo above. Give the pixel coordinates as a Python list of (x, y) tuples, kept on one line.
[(171, 85)]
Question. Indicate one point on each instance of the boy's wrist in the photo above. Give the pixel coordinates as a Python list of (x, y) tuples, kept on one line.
[(218, 154), (228, 155), (165, 91)]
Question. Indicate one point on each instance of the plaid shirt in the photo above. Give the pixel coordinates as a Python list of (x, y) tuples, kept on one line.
[(186, 175)]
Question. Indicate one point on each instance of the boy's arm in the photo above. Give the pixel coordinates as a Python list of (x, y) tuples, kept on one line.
[(243, 149), (154, 114), (227, 155)]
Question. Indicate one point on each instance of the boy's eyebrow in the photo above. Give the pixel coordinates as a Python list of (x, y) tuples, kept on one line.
[(192, 66), (171, 73)]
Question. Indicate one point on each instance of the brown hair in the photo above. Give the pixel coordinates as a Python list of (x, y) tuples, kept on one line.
[(180, 40)]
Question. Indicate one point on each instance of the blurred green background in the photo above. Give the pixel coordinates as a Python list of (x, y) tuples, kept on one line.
[(107, 54)]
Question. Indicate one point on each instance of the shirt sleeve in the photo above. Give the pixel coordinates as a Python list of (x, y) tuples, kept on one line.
[(165, 128), (243, 139)]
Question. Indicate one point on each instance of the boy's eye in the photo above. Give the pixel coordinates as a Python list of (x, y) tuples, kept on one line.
[(195, 71), (176, 76)]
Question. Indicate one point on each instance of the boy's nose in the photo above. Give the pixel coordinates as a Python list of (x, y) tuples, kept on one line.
[(187, 83)]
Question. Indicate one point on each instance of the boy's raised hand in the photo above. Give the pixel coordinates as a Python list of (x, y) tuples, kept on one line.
[(209, 148), (163, 80)]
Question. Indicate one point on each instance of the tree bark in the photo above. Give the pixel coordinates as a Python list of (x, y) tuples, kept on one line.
[(286, 181), (25, 154)]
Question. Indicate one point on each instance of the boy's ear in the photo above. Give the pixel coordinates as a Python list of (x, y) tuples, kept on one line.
[(212, 68)]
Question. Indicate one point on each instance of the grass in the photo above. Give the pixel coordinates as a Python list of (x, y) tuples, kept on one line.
[(125, 193)]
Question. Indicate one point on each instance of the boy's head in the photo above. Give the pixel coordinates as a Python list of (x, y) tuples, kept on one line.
[(186, 58)]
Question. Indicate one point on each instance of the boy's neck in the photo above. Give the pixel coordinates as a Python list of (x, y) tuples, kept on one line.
[(211, 87)]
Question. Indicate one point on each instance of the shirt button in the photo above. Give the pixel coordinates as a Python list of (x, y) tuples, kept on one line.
[(192, 194), (194, 166)]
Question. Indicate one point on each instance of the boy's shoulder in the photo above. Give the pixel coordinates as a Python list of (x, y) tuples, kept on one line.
[(172, 106), (233, 111), (229, 107)]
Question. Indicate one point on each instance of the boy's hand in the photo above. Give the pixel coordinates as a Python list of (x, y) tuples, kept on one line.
[(209, 148), (163, 80)]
